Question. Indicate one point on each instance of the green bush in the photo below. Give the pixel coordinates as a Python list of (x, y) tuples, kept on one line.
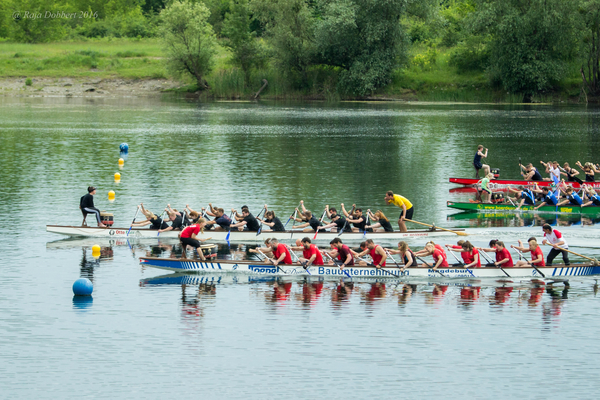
[(470, 57), (28, 82)]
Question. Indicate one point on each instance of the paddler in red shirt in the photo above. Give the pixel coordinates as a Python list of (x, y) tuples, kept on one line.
[(376, 252), (438, 254), (281, 253), (188, 237), (537, 257), (341, 251), (310, 254), (503, 257)]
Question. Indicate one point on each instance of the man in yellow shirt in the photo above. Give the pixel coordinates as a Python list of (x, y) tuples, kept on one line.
[(404, 204)]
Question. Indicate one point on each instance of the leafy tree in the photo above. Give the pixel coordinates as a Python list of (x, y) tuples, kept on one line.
[(532, 42), (241, 39), (365, 39), (190, 43), (589, 11), (31, 26), (289, 25)]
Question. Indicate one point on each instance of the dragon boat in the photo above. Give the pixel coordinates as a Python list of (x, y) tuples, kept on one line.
[(258, 268), (505, 183), (508, 207), (246, 236)]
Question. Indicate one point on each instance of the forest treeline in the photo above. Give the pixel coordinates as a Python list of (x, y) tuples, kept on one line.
[(350, 47)]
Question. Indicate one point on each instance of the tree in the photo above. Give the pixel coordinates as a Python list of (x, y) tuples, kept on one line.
[(365, 39), (289, 25), (190, 43), (242, 41), (31, 24), (589, 11), (532, 42)]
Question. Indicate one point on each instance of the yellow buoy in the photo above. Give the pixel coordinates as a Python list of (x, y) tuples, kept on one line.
[(117, 176), (111, 195), (95, 249), (121, 161)]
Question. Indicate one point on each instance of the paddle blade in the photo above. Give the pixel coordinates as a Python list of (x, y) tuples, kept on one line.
[(461, 233)]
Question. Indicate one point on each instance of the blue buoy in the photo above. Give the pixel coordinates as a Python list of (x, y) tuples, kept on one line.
[(83, 287), (124, 147)]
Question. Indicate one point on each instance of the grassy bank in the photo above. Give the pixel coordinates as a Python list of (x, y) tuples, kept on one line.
[(433, 80)]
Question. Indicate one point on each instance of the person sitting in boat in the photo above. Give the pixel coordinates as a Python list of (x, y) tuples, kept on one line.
[(537, 257), (272, 222), (549, 197), (437, 252), (472, 255), (526, 196), (311, 223), (593, 197), (382, 223), (486, 192), (553, 170), (503, 257), (310, 253), (337, 224), (191, 220), (572, 197), (479, 154), (408, 257), (356, 218), (86, 204), (377, 253), (554, 238), (176, 220), (221, 219), (589, 169), (342, 252), (188, 238), (281, 253), (530, 173), (151, 219), (570, 173), (458, 247), (246, 221)]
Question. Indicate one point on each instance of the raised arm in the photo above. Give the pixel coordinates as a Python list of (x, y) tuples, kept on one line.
[(303, 208), (519, 247)]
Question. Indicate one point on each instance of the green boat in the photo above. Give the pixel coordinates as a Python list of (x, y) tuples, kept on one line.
[(510, 208)]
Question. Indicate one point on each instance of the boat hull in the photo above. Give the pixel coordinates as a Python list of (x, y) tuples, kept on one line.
[(509, 208), (244, 236), (178, 265), (505, 183)]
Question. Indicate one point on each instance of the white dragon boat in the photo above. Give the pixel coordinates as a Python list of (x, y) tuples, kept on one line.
[(248, 237), (258, 268)]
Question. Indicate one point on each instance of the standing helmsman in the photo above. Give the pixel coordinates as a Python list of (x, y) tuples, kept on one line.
[(404, 204), (86, 203), (555, 239)]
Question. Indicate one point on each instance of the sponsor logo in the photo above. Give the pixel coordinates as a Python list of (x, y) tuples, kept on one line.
[(111, 232), (262, 270)]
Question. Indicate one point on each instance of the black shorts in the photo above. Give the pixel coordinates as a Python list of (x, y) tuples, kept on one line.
[(478, 165), (486, 190), (409, 213), (190, 242)]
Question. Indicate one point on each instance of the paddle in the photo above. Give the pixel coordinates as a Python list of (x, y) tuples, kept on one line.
[(491, 263), (260, 225), (437, 227), (336, 262), (292, 215), (346, 222), (270, 259), (321, 220), (394, 260), (132, 222), (593, 260), (460, 262), (161, 221), (430, 266), (304, 265), (534, 267)]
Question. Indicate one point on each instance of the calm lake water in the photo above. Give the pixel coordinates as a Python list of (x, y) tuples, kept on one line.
[(150, 334)]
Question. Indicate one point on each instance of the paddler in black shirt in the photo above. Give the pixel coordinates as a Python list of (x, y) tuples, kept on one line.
[(337, 221), (86, 203), (356, 218), (152, 220), (247, 219), (272, 222), (175, 218), (530, 173), (310, 220)]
